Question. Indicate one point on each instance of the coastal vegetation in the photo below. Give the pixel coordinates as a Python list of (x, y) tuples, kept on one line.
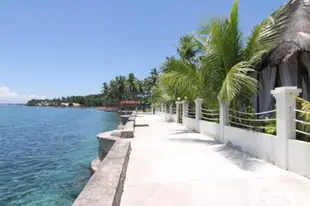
[(129, 88), (119, 89), (218, 62), (83, 101)]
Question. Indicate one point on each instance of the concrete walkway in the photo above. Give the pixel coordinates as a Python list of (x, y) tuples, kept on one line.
[(171, 166)]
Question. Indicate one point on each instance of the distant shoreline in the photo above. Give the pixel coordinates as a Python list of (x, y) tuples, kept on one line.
[(12, 104), (80, 107)]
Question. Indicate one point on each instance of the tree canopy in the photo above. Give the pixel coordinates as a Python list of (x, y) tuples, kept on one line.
[(118, 89), (218, 62)]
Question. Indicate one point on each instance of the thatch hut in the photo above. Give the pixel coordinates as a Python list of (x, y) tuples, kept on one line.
[(288, 64)]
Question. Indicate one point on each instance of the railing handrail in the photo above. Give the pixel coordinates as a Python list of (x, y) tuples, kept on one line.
[(214, 114), (259, 113), (249, 126), (302, 132), (210, 110), (212, 119), (252, 120), (302, 122), (300, 111)]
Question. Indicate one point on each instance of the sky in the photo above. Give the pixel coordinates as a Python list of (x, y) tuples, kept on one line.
[(70, 47)]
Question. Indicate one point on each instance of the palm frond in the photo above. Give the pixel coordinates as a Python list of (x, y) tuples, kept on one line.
[(236, 81)]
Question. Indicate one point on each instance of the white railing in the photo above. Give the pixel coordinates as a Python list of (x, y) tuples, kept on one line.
[(251, 120), (191, 113), (174, 110), (245, 129), (257, 114), (302, 123), (211, 115)]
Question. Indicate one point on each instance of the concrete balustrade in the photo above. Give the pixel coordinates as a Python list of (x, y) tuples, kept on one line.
[(282, 149), (185, 108), (224, 120), (286, 126), (198, 114), (178, 114)]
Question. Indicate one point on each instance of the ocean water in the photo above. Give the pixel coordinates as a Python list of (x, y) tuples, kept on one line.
[(45, 153)]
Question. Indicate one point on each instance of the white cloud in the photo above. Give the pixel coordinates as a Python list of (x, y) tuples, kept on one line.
[(7, 96)]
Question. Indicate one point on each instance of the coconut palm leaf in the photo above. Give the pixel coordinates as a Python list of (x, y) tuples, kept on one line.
[(226, 62), (183, 76), (237, 80)]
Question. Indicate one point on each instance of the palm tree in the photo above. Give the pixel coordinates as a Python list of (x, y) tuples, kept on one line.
[(154, 76), (227, 64), (105, 88), (162, 93), (120, 87), (187, 48), (182, 76), (182, 79), (132, 86), (116, 91)]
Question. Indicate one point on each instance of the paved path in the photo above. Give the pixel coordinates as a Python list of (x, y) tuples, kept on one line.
[(171, 166)]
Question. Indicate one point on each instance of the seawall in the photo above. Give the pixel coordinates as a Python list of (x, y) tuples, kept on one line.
[(105, 187)]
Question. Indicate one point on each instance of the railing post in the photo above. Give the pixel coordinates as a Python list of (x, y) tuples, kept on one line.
[(286, 125), (178, 103), (165, 111), (185, 109), (198, 115), (170, 112), (224, 120)]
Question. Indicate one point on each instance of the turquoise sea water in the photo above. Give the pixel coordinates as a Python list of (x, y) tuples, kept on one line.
[(45, 152)]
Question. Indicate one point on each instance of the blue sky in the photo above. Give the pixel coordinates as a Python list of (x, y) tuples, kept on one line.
[(70, 47)]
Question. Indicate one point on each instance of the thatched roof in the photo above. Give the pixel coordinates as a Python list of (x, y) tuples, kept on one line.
[(296, 35)]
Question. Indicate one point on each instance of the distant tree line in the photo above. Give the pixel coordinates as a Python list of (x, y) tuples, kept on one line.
[(84, 101), (130, 88), (118, 89)]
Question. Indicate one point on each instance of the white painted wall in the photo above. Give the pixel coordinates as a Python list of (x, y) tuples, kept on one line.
[(210, 129), (299, 157), (258, 144), (264, 146), (190, 123), (174, 117), (171, 117), (162, 114), (167, 116)]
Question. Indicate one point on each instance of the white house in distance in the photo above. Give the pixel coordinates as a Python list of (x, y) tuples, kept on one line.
[(63, 104)]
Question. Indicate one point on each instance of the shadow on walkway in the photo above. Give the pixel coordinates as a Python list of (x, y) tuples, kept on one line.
[(142, 125), (235, 155), (239, 158), (183, 132), (194, 140)]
